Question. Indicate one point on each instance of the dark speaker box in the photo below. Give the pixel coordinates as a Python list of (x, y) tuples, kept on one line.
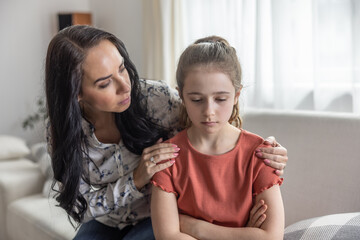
[(69, 19)]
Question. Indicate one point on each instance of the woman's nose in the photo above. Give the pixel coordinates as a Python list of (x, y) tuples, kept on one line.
[(122, 84)]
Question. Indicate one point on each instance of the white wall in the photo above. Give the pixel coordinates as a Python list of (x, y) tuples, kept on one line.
[(26, 27), (124, 19)]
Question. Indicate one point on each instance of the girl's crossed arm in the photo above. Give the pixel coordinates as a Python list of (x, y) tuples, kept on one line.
[(272, 228), (165, 216)]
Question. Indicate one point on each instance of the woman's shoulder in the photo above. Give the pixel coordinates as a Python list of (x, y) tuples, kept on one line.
[(156, 88), (162, 103)]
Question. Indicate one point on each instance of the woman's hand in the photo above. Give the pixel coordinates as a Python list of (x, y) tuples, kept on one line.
[(275, 156), (149, 163), (257, 215)]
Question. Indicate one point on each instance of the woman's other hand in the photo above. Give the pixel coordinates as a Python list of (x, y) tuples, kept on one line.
[(275, 156), (257, 215), (150, 162)]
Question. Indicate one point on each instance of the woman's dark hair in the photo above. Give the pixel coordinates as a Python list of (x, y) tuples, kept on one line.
[(63, 75)]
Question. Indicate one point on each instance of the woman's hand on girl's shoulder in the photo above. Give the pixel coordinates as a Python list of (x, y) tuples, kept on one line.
[(154, 159), (274, 156)]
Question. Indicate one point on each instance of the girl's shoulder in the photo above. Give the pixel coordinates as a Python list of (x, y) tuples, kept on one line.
[(249, 139)]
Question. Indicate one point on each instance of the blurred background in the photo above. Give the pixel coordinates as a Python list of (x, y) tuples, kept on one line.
[(295, 54)]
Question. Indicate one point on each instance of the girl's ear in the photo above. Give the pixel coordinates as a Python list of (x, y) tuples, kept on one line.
[(237, 95), (180, 95)]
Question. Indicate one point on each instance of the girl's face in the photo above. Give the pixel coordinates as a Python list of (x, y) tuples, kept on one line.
[(106, 85), (209, 97)]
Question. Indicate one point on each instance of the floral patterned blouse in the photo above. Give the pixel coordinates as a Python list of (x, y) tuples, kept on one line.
[(112, 196)]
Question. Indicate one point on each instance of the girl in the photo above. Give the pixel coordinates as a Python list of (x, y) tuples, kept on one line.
[(209, 191), (104, 128)]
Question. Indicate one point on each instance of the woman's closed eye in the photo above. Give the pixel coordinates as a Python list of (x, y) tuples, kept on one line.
[(122, 68), (105, 84)]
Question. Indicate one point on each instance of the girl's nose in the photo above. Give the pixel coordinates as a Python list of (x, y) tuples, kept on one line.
[(209, 108)]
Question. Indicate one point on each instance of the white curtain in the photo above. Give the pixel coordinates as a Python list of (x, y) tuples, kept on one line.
[(163, 38), (295, 54)]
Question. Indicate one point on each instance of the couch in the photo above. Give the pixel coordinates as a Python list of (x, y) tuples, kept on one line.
[(27, 210), (321, 190)]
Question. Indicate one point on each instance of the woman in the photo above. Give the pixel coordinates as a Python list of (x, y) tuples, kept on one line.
[(105, 132)]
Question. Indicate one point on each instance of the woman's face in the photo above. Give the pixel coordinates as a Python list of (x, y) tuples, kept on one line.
[(106, 86)]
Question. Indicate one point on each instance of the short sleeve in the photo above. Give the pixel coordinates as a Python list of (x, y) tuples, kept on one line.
[(264, 176), (163, 180)]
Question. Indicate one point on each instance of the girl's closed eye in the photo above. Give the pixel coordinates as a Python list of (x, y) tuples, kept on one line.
[(221, 99), (196, 100)]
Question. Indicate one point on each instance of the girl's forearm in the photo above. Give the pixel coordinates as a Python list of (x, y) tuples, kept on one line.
[(176, 236), (207, 231)]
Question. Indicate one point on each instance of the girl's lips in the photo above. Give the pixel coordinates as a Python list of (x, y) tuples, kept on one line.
[(208, 123), (125, 101)]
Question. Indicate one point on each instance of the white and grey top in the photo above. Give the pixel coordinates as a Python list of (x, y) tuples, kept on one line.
[(112, 196)]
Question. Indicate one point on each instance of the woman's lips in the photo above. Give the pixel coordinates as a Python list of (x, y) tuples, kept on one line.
[(125, 101)]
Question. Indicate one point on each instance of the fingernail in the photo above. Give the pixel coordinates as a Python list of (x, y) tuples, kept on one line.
[(258, 150), (172, 161), (177, 149), (277, 172), (174, 146), (259, 154), (267, 161), (175, 154)]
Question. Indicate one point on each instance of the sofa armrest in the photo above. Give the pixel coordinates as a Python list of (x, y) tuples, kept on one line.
[(18, 178), (39, 217)]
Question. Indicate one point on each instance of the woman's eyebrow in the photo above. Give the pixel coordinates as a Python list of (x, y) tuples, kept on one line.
[(102, 78)]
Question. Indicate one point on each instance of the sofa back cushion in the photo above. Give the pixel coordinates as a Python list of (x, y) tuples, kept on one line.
[(322, 175)]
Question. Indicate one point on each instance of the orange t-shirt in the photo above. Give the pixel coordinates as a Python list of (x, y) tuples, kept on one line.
[(217, 188)]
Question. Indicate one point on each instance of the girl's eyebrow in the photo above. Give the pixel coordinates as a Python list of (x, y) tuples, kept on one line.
[(106, 77), (216, 93)]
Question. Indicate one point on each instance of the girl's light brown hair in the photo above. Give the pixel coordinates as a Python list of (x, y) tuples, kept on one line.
[(214, 52)]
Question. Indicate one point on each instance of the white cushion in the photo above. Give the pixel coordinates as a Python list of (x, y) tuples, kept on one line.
[(18, 178), (321, 176), (41, 156), (37, 217), (345, 226), (12, 147)]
